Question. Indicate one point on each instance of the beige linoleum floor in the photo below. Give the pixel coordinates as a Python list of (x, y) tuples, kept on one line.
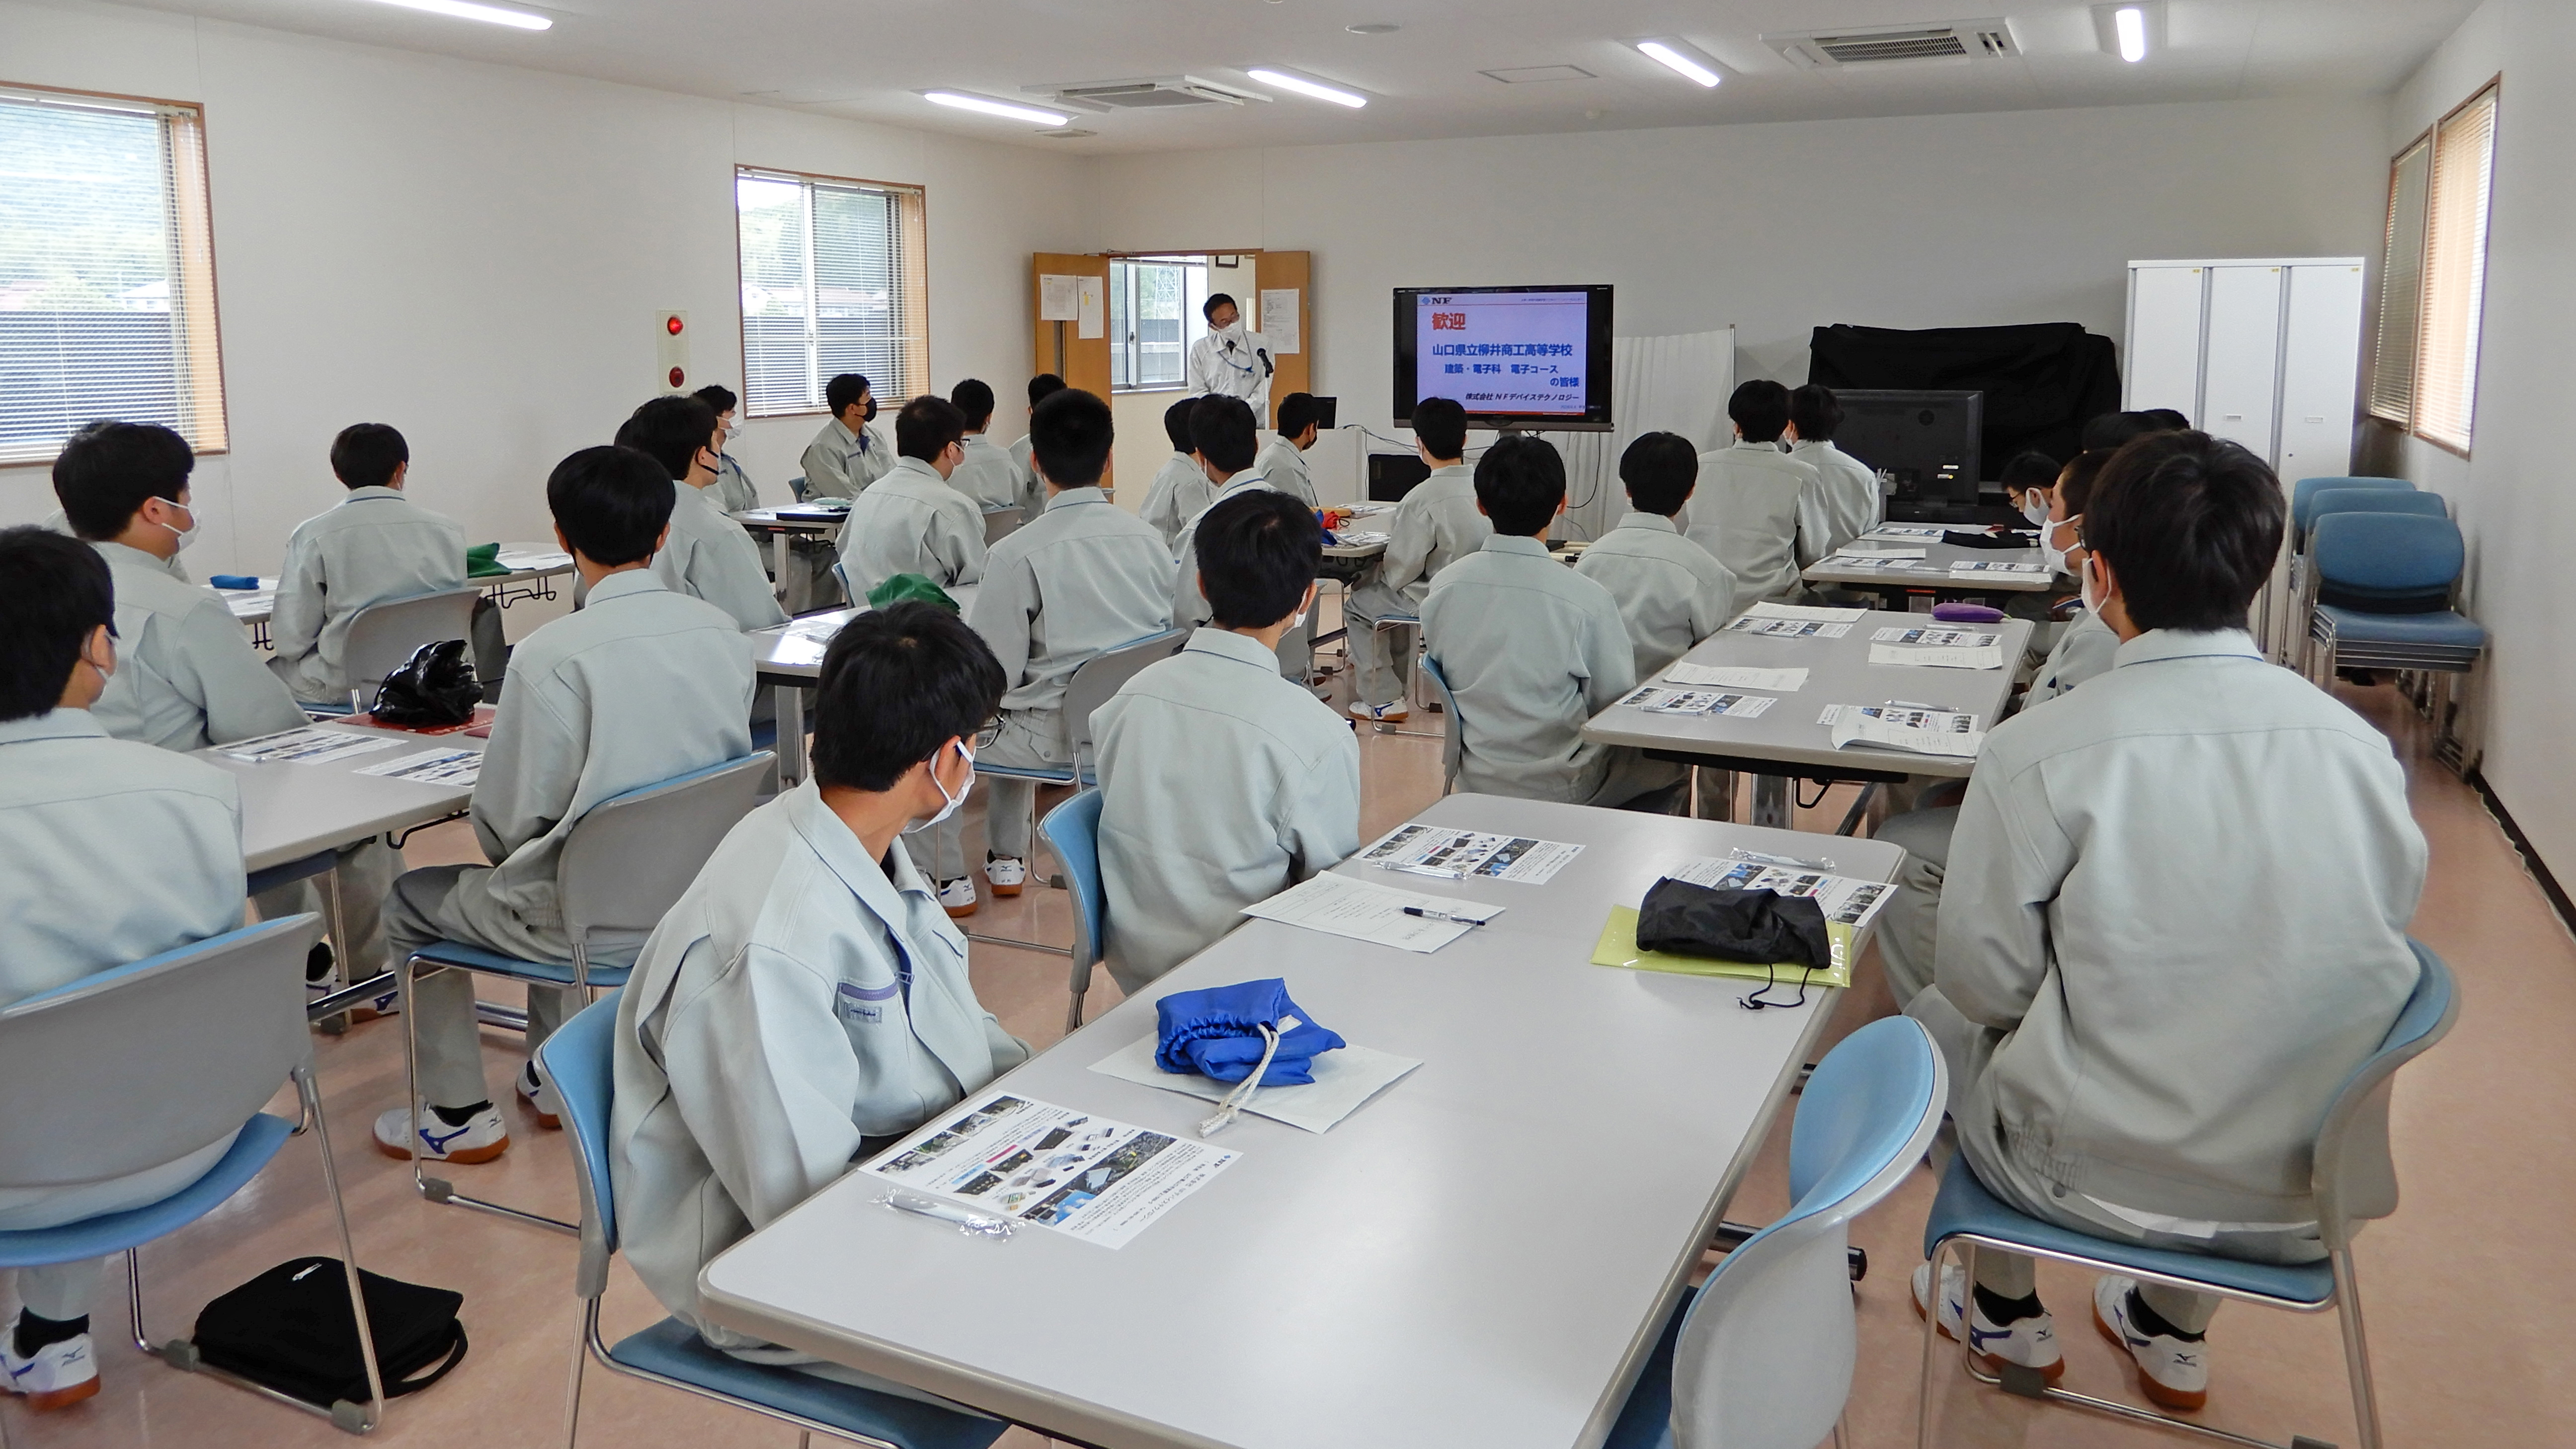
[(2468, 1287)]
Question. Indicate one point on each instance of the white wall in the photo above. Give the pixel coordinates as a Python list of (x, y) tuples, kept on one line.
[(1925, 221), (2511, 494), (473, 254)]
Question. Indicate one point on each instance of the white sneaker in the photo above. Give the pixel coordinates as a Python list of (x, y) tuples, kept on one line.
[(482, 1138), (60, 1373), (1006, 874), (540, 1096), (1387, 713), (957, 896), (2029, 1342), (2174, 1372)]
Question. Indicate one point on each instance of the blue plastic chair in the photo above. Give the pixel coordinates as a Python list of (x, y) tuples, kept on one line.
[(2375, 500), (578, 1060), (2381, 586), (2353, 1179), (1453, 745), (622, 867), (382, 636), (2303, 494), (1072, 831), (138, 1066), (1761, 1357)]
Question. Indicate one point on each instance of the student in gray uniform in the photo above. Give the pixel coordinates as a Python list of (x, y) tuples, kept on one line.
[(2027, 480), (1227, 443), (732, 491), (77, 809), (375, 547), (1283, 461), (2175, 925), (1221, 783), (1082, 578), (986, 472), (1033, 493), (1437, 524), (806, 1002), (1532, 649), (708, 556), (1181, 491), (641, 685), (850, 452), (1750, 496), (1848, 503), (1671, 592)]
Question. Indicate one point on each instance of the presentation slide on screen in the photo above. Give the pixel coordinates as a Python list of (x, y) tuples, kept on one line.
[(1503, 352)]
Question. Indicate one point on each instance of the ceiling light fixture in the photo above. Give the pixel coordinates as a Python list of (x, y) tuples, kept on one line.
[(986, 105), (1671, 56), (466, 10), (2130, 29), (2131, 23), (1314, 90)]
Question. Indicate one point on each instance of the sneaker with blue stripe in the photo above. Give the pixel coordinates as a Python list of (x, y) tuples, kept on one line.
[(479, 1138)]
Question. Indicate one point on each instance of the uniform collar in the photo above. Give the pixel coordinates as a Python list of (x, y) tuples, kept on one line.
[(116, 553), (918, 469), (1513, 543), (2156, 645), (1245, 479), (357, 493), (618, 586), (1227, 644), (1747, 445), (841, 851), (1650, 522), (1450, 470), (1803, 444), (56, 724), (847, 436), (1073, 497)]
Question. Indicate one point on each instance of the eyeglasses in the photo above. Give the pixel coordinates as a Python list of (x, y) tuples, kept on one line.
[(991, 731)]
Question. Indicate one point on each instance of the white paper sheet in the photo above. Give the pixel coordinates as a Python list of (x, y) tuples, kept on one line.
[(1344, 1079), (531, 561), (1054, 1167), (1906, 530), (432, 767), (1894, 727), (1852, 902), (1459, 854), (1805, 611), (1937, 638), (1849, 551), (1092, 294), (1341, 906), (1988, 657), (1778, 681), (1058, 299), (246, 602), (1788, 628), (1699, 701), (306, 747), (1976, 567), (1279, 320)]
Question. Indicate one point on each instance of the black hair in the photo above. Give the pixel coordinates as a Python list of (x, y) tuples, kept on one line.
[(1258, 551), (1176, 425), (2190, 525), (1759, 410), (107, 469), (672, 431), (612, 503), (718, 397), (2030, 469), (1225, 433), (974, 398), (1440, 425), (2168, 419), (1660, 469), (844, 390), (1298, 411), (2109, 432), (1816, 411), (365, 455), (2075, 481), (925, 426), (55, 592), (897, 683), (1520, 481), (1070, 436), (1042, 386), (1207, 309)]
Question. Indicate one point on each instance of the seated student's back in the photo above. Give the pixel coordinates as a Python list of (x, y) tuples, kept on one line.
[(1847, 502), (375, 547), (708, 556), (986, 472), (1671, 592), (1750, 495), (910, 521), (1181, 491)]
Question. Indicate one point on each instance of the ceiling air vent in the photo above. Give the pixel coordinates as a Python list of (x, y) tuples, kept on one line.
[(1153, 93), (1950, 41)]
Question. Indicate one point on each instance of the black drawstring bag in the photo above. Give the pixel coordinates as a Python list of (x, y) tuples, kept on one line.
[(1763, 927), (435, 686), (290, 1328)]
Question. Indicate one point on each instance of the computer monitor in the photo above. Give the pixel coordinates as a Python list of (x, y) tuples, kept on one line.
[(1393, 475), (1527, 358), (1927, 442)]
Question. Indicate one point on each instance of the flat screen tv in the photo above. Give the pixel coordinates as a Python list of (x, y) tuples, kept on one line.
[(1527, 358)]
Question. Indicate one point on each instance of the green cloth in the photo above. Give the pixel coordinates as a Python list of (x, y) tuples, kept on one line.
[(483, 561), (905, 588)]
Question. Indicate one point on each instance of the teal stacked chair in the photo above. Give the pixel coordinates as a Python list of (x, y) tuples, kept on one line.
[(2304, 492), (2383, 585)]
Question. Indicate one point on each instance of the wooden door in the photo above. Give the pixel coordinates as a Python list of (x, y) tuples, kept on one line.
[(1059, 347), (1294, 272)]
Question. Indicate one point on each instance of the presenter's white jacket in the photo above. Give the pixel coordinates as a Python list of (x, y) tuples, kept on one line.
[(186, 676), (1242, 370), (374, 547)]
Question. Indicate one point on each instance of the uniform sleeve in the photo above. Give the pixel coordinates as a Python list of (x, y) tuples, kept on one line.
[(295, 620), (824, 477), (530, 767), (1609, 660), (1408, 547), (1201, 381), (731, 579), (1004, 608), (1189, 602), (242, 700), (1714, 603), (873, 462), (957, 541), (2007, 860), (1321, 825), (1815, 521)]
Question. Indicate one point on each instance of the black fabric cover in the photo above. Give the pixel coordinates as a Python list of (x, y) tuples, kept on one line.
[(291, 1329), (2006, 539), (435, 686), (2042, 380), (1764, 927)]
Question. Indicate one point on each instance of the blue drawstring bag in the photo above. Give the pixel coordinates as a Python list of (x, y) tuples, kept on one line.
[(1218, 1033)]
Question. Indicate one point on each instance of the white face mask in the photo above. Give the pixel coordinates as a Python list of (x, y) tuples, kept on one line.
[(2048, 544), (2092, 598), (1230, 332), (185, 536), (2035, 508), (954, 801)]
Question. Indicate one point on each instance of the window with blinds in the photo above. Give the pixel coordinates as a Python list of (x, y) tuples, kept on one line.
[(107, 273), (2401, 287), (2432, 287), (833, 281)]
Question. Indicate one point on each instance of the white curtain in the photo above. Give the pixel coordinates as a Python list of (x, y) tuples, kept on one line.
[(1658, 385)]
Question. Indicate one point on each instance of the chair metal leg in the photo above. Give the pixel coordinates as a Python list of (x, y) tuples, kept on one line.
[(580, 1360), (2356, 1349), (439, 1189), (1931, 1341), (373, 1412)]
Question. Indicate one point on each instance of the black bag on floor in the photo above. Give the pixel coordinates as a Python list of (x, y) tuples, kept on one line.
[(290, 1328)]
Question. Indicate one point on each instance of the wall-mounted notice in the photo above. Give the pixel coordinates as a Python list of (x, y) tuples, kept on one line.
[(1279, 319), (1058, 298), (1094, 307)]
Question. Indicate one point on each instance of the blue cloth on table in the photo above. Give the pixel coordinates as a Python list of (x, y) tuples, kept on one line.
[(231, 581), (1216, 1033)]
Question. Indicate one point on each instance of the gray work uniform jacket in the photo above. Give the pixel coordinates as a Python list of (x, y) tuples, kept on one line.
[(841, 464), (732, 490), (1179, 493), (1532, 650), (1745, 510), (1285, 467), (375, 547), (1436, 525), (1083, 577), (987, 475), (912, 522), (1671, 592), (710, 557), (186, 676), (1845, 505)]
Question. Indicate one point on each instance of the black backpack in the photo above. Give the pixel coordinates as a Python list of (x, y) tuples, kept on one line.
[(290, 1329)]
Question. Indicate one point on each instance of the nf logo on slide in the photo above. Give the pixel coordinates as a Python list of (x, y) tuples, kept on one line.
[(1448, 321)]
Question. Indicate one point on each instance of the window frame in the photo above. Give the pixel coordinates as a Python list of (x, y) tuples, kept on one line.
[(1191, 332), (912, 265), (2429, 141), (195, 290)]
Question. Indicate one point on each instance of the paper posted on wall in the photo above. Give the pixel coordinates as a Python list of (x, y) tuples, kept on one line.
[(1900, 727), (1057, 1168), (1699, 701), (1279, 320), (448, 768), (1459, 854), (1778, 681), (305, 747), (1854, 903), (1058, 300)]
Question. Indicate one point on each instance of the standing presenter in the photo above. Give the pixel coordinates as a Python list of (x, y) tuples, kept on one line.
[(1231, 361)]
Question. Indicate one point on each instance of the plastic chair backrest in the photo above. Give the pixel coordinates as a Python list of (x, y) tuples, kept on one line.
[(142, 1064), (2306, 489), (2376, 500), (2354, 1176), (1073, 833), (1453, 744), (2396, 559), (796, 486), (579, 1060), (382, 636), (630, 858), (1766, 1356), (1103, 675)]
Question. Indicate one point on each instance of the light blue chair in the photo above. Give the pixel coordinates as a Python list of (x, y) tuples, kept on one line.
[(1453, 745), (1072, 831), (2353, 1180), (796, 487), (2303, 496), (623, 866), (1761, 1357), (578, 1060), (2380, 588), (383, 636), (120, 1072)]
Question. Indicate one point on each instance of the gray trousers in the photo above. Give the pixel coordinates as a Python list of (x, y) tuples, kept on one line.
[(1381, 663), (454, 903), (1030, 740), (61, 1291), (1911, 924), (367, 870)]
